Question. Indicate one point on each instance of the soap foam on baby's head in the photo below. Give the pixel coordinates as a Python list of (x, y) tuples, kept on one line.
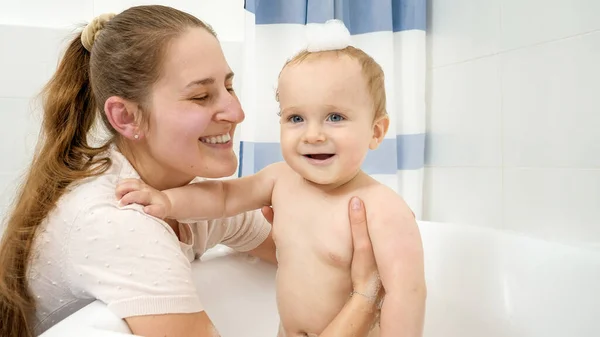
[(332, 106)]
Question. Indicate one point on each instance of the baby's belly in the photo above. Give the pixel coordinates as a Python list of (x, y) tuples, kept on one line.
[(310, 294)]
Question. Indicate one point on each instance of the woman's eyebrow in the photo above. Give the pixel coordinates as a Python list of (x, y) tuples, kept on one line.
[(208, 80)]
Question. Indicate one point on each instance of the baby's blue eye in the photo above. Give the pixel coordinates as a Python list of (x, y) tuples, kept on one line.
[(296, 119), (335, 118)]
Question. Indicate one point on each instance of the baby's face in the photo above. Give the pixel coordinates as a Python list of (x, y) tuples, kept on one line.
[(326, 118)]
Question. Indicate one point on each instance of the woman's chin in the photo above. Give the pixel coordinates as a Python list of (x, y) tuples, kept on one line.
[(221, 168)]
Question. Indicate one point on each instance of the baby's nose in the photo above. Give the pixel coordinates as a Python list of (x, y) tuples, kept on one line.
[(314, 134)]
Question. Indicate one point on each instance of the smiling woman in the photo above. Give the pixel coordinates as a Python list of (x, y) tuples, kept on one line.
[(67, 224)]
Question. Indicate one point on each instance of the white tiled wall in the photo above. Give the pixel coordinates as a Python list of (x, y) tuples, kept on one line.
[(514, 114), (27, 58), (31, 41)]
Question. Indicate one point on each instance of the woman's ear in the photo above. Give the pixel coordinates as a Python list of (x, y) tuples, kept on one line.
[(380, 128), (123, 116)]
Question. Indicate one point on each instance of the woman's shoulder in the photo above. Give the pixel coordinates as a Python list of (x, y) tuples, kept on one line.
[(94, 203), (98, 192), (91, 208)]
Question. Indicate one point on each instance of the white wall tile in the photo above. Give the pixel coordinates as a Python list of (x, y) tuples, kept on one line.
[(19, 129), (463, 121), (555, 204), (460, 30), (470, 196), (40, 13), (28, 58), (545, 116), (533, 21), (551, 102), (225, 16)]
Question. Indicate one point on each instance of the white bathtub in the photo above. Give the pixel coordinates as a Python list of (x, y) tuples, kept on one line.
[(481, 283)]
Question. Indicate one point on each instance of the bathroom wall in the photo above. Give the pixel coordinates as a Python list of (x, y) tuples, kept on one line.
[(514, 114), (33, 34)]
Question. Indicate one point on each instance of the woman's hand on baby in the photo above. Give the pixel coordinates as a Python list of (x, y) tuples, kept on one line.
[(267, 212), (364, 274), (135, 191)]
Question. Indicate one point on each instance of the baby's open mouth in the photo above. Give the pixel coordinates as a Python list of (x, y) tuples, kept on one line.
[(319, 156)]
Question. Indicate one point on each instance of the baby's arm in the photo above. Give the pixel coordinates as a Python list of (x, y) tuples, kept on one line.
[(204, 200), (399, 255)]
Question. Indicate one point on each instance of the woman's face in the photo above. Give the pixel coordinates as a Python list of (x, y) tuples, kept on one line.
[(194, 110)]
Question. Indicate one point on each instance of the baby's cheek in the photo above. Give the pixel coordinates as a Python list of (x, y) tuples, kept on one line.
[(354, 160)]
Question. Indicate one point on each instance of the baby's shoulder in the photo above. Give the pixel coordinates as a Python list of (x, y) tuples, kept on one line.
[(376, 190), (378, 197), (277, 172), (282, 173)]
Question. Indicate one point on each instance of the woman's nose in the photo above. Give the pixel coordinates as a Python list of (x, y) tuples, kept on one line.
[(231, 111)]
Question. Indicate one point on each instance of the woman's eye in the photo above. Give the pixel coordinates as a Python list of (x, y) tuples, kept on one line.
[(200, 98), (230, 89), (335, 118), (295, 119)]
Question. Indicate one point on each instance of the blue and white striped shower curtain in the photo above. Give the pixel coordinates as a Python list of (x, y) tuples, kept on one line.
[(391, 31)]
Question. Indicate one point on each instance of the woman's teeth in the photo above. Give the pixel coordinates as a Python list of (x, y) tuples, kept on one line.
[(220, 139)]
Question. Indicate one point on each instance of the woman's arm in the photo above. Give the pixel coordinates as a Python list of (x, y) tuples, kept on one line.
[(150, 286), (196, 324), (355, 319), (266, 250), (358, 315)]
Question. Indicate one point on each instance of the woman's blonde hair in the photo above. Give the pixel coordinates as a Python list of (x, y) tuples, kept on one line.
[(118, 55)]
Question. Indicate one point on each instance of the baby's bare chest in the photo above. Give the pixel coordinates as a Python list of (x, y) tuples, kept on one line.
[(309, 221)]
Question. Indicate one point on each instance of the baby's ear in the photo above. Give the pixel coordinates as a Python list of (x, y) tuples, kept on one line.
[(380, 128)]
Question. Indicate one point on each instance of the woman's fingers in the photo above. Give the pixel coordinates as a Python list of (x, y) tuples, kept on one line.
[(268, 213), (358, 224), (364, 274)]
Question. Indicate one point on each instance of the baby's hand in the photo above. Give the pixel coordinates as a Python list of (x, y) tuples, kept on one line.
[(135, 191)]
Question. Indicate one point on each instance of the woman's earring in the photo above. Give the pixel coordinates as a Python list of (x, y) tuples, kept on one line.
[(136, 136)]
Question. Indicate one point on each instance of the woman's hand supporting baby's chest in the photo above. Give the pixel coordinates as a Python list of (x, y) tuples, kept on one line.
[(314, 242)]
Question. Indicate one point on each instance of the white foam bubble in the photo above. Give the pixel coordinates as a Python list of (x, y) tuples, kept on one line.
[(373, 286)]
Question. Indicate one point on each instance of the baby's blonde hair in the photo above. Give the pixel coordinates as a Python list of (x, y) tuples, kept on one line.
[(371, 70)]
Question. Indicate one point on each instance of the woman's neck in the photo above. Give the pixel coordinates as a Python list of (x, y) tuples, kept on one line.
[(152, 172)]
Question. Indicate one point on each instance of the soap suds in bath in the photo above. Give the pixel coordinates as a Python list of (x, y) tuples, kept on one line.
[(373, 287)]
